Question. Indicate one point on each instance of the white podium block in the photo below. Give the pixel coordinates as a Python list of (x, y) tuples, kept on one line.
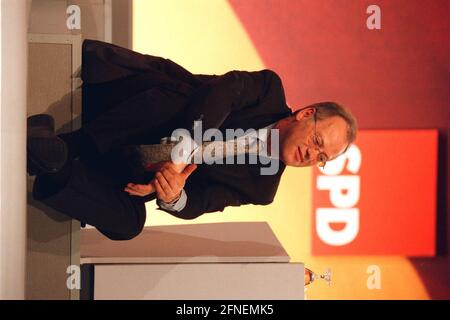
[(239, 260)]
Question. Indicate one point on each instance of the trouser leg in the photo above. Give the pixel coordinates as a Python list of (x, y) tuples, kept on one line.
[(146, 114), (98, 98), (128, 112), (95, 198)]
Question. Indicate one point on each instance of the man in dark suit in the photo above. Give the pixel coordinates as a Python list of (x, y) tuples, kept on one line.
[(131, 98)]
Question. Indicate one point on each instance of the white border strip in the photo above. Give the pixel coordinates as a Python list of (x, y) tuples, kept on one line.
[(108, 20)]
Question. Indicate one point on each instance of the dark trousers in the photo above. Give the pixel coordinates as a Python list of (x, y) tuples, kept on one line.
[(90, 188), (95, 198)]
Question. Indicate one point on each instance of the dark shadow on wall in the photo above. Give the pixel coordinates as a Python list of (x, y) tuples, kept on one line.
[(435, 275), (435, 272), (442, 240)]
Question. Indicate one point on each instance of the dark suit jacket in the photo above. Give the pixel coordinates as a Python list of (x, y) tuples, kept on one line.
[(236, 99)]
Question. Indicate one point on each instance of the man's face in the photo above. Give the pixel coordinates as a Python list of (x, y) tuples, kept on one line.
[(298, 142)]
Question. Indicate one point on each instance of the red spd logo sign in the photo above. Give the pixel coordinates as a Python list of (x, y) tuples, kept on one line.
[(378, 198)]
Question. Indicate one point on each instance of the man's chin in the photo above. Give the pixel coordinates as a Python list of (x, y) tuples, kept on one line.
[(292, 162)]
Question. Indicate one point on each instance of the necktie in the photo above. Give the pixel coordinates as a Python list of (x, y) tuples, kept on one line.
[(148, 155)]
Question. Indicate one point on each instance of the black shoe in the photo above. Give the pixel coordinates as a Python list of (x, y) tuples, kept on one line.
[(46, 153)]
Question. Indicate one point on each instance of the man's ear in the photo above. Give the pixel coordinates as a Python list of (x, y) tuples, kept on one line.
[(305, 113)]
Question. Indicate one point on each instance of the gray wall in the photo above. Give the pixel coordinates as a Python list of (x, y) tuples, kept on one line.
[(49, 16)]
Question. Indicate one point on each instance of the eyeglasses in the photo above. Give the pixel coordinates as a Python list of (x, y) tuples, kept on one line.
[(318, 143)]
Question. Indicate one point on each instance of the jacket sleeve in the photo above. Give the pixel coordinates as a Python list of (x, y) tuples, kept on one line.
[(213, 101), (203, 197)]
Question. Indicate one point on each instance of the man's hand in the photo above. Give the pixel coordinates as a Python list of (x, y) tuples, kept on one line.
[(141, 190), (171, 177), (169, 182)]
